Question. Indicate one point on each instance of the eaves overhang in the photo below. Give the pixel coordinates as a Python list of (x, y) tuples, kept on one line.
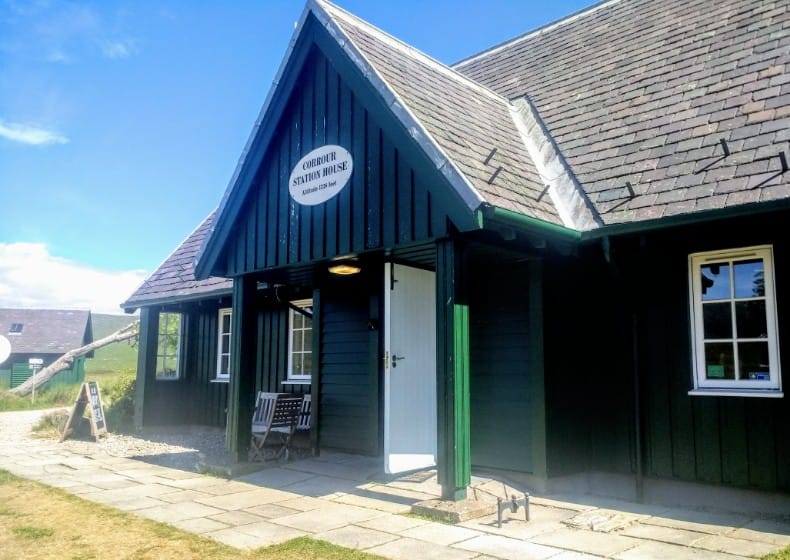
[(132, 306), (492, 218)]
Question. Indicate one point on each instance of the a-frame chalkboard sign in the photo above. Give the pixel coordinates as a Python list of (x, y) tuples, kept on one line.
[(89, 395)]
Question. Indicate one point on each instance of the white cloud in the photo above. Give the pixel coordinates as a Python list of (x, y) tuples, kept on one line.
[(117, 49), (31, 277), (27, 134)]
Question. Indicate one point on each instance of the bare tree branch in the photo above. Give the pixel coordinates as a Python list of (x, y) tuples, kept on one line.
[(67, 359)]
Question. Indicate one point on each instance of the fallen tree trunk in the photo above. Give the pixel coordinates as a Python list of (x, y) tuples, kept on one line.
[(65, 361)]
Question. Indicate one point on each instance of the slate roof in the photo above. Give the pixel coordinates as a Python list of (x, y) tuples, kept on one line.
[(465, 120), (46, 331), (630, 111), (643, 91), (174, 280)]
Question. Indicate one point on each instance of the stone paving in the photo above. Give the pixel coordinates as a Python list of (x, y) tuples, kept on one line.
[(346, 500)]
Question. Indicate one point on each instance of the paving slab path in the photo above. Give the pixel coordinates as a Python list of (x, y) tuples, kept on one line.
[(346, 500)]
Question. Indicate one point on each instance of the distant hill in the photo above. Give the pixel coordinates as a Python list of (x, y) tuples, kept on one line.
[(120, 357), (108, 324)]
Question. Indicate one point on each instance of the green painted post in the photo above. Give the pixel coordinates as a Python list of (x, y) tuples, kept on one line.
[(241, 390), (146, 361), (452, 370)]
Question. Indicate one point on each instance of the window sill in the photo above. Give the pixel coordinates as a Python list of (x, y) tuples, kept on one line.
[(762, 393), (220, 380), (297, 382)]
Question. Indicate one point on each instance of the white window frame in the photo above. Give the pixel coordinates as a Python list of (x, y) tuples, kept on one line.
[(161, 376), (224, 312), (291, 377), (734, 387)]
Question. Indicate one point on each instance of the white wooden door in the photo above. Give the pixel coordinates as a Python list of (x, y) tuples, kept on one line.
[(409, 368)]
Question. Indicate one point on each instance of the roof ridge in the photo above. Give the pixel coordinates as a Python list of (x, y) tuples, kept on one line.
[(564, 189), (414, 52), (537, 31)]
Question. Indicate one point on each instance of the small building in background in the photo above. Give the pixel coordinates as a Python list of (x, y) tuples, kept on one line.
[(45, 334)]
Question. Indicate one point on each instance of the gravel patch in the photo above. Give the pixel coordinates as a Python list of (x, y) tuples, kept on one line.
[(181, 447)]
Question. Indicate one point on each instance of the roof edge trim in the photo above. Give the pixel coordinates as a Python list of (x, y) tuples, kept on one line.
[(199, 265), (537, 31), (527, 223), (744, 210), (130, 306), (468, 193)]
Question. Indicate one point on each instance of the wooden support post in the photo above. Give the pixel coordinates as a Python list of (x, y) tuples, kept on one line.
[(146, 362), (315, 380), (452, 370), (241, 390)]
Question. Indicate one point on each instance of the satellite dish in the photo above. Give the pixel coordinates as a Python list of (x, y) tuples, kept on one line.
[(5, 349)]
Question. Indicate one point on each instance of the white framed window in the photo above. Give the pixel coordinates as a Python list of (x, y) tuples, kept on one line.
[(733, 327), (300, 341), (223, 344), (168, 346)]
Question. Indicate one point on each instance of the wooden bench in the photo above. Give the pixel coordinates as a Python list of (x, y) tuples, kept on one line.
[(275, 413), (278, 413)]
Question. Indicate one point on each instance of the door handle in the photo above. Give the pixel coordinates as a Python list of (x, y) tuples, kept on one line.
[(396, 359)]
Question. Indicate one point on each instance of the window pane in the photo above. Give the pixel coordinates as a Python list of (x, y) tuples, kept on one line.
[(749, 279), (715, 281), (753, 358), (750, 319), (225, 323), (308, 364), (719, 359), (717, 319), (224, 367), (297, 318), (308, 341), (225, 345)]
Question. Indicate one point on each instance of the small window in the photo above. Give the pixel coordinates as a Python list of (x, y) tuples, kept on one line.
[(300, 341), (16, 328), (223, 344), (734, 331), (168, 346)]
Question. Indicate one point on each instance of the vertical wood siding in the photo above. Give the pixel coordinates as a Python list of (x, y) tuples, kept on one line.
[(736, 441), (349, 372), (500, 399), (193, 398), (385, 203)]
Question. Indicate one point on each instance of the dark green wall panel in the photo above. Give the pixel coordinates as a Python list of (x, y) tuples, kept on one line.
[(349, 385), (385, 203), (738, 441), (500, 401)]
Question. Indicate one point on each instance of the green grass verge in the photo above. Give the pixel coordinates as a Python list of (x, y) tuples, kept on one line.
[(40, 522)]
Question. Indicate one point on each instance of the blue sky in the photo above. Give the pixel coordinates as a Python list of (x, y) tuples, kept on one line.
[(121, 122)]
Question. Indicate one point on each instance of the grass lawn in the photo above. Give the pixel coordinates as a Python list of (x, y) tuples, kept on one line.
[(38, 521)]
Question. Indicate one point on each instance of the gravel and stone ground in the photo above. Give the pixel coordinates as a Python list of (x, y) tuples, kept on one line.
[(179, 447)]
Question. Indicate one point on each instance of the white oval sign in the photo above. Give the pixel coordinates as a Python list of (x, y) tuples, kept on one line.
[(5, 349), (320, 175)]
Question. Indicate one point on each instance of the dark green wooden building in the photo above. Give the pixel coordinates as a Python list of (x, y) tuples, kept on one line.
[(43, 334), (562, 257)]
